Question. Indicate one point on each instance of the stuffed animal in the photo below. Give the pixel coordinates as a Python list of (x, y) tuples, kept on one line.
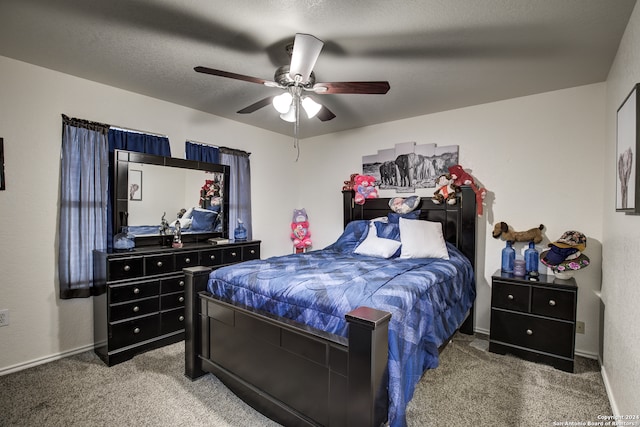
[(300, 233), (502, 229), (364, 188), (446, 192), (461, 177)]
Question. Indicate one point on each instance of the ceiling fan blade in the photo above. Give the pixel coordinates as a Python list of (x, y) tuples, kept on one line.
[(256, 105), (230, 75), (306, 49), (325, 114), (364, 88)]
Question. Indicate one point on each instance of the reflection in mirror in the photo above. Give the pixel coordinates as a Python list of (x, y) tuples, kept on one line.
[(191, 197), (153, 194)]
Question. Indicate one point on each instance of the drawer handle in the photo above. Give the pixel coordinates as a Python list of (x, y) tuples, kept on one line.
[(181, 283), (552, 303), (212, 257), (253, 251), (159, 263), (127, 268), (136, 309), (136, 290), (136, 331), (233, 254), (181, 318), (181, 299), (509, 297), (187, 260), (529, 332)]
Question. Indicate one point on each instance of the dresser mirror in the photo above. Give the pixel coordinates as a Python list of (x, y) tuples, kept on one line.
[(154, 193)]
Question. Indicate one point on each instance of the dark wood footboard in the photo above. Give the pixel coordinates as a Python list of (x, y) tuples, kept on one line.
[(292, 373)]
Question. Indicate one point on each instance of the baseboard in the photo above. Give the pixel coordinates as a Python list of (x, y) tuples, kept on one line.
[(482, 331), (607, 386), (43, 360), (587, 354)]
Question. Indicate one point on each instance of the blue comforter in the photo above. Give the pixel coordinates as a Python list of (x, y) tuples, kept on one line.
[(428, 299)]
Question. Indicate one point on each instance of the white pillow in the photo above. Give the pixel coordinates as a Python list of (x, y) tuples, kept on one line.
[(376, 246), (422, 239)]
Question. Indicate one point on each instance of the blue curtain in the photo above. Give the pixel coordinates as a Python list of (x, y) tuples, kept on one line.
[(239, 187), (132, 141), (84, 172), (202, 153)]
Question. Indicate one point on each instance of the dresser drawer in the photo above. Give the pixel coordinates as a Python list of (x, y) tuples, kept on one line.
[(510, 296), (133, 331), (134, 291), (231, 255), (170, 301), (536, 333), (186, 259), (172, 320), (124, 268), (159, 264), (250, 252), (175, 284), (211, 257), (553, 303), (132, 309)]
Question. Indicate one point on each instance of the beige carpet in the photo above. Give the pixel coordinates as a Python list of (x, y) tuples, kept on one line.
[(470, 388)]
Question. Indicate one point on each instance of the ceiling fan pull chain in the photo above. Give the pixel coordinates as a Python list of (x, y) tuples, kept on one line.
[(296, 125)]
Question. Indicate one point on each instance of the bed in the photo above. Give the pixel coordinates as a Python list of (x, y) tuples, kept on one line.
[(342, 349)]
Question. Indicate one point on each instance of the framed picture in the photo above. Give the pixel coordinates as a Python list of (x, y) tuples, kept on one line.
[(135, 185), (2, 185), (627, 178)]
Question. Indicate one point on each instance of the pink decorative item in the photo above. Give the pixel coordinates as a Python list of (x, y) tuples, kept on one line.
[(300, 233)]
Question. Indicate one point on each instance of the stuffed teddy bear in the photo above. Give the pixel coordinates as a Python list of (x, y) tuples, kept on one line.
[(446, 190), (502, 229), (364, 188), (300, 233), (461, 177)]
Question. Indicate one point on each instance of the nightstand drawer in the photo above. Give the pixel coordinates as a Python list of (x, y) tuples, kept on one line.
[(536, 333), (510, 296), (553, 303)]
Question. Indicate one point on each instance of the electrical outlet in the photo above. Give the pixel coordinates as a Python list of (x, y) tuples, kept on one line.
[(4, 317), (580, 327)]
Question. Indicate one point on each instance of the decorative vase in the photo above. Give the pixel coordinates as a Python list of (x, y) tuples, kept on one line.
[(519, 268), (531, 259), (124, 241), (508, 258), (240, 233)]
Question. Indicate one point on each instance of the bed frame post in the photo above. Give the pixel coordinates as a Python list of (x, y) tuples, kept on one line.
[(467, 243), (195, 281), (367, 377)]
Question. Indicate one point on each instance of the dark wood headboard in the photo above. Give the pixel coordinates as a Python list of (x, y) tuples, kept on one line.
[(458, 221)]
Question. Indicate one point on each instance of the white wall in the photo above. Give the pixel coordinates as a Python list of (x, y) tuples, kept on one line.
[(539, 156), (31, 103), (621, 245)]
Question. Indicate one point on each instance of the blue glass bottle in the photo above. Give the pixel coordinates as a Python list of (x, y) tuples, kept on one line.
[(531, 258), (508, 258), (240, 233)]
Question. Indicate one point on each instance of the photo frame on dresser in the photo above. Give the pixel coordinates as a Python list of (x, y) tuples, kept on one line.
[(2, 184), (627, 145)]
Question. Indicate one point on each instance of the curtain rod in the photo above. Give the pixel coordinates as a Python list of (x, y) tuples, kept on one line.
[(138, 131)]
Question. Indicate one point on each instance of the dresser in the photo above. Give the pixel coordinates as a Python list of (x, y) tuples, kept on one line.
[(139, 301), (535, 320)]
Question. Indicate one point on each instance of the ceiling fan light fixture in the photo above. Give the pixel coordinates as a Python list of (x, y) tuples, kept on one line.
[(290, 114), (310, 106), (282, 102)]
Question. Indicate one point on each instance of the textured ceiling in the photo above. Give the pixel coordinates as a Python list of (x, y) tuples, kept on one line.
[(436, 54)]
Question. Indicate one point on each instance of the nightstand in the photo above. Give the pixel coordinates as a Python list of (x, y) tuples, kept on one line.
[(534, 320)]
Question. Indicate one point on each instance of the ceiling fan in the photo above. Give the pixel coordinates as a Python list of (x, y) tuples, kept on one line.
[(297, 79)]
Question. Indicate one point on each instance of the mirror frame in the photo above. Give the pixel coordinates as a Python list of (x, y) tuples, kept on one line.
[(122, 158)]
